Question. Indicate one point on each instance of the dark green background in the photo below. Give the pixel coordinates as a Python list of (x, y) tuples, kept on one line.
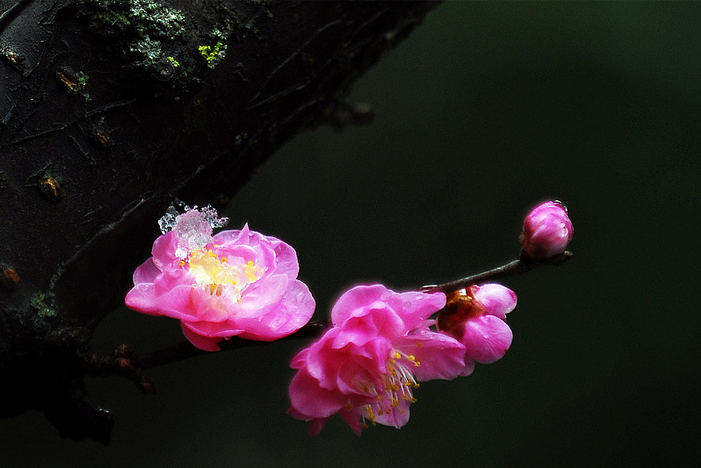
[(484, 111)]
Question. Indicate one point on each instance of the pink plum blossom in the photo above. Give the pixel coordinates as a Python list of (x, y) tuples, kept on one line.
[(234, 283), (366, 366), (476, 317), (547, 230)]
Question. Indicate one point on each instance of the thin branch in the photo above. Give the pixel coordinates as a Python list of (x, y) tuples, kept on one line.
[(513, 268), (185, 349), (123, 361)]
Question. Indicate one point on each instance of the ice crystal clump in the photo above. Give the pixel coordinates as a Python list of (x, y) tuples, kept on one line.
[(212, 217), (167, 221), (193, 227)]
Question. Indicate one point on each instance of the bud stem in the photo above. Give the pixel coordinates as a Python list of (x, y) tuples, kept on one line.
[(515, 267)]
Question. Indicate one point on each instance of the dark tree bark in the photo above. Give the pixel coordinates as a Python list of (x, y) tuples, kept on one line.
[(110, 109)]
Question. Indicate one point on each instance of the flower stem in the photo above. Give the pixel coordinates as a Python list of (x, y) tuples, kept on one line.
[(123, 362), (514, 267), (184, 349)]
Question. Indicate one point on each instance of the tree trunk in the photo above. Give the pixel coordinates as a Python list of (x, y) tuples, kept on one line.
[(108, 111)]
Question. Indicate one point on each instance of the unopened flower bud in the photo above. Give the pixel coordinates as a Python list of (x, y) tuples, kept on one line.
[(546, 230)]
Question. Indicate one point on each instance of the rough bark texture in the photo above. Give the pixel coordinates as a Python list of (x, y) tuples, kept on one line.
[(110, 109)]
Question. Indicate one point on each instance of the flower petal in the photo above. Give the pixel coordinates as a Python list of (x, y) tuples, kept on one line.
[(213, 330), (439, 356), (416, 306), (163, 250), (312, 401), (142, 297), (487, 338), (293, 312), (496, 299), (378, 320), (351, 417), (355, 299), (285, 258), (397, 416), (198, 341), (146, 272)]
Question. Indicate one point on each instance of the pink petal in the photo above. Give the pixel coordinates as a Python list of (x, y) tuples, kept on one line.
[(397, 417), (487, 338), (355, 298), (379, 320), (213, 329), (309, 399), (146, 272), (318, 356), (316, 424), (177, 303), (208, 308), (440, 356), (236, 253), (171, 278), (198, 341), (496, 299), (359, 373), (142, 297), (416, 306), (259, 297), (373, 354), (163, 250), (469, 368), (293, 312), (285, 258), (351, 417), (300, 359), (233, 236)]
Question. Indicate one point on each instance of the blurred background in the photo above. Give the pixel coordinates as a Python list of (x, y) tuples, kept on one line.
[(484, 111)]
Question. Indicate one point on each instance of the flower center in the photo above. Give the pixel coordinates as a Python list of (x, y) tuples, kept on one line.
[(397, 388), (220, 277)]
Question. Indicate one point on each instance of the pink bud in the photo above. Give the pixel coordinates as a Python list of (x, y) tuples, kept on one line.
[(546, 230)]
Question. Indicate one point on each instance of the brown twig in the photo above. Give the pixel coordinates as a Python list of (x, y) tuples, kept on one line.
[(125, 363), (515, 267)]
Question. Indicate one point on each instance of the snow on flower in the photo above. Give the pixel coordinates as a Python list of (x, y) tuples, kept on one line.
[(476, 317), (547, 230), (367, 365), (234, 283)]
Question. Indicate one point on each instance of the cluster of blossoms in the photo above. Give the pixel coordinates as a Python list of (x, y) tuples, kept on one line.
[(380, 344)]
